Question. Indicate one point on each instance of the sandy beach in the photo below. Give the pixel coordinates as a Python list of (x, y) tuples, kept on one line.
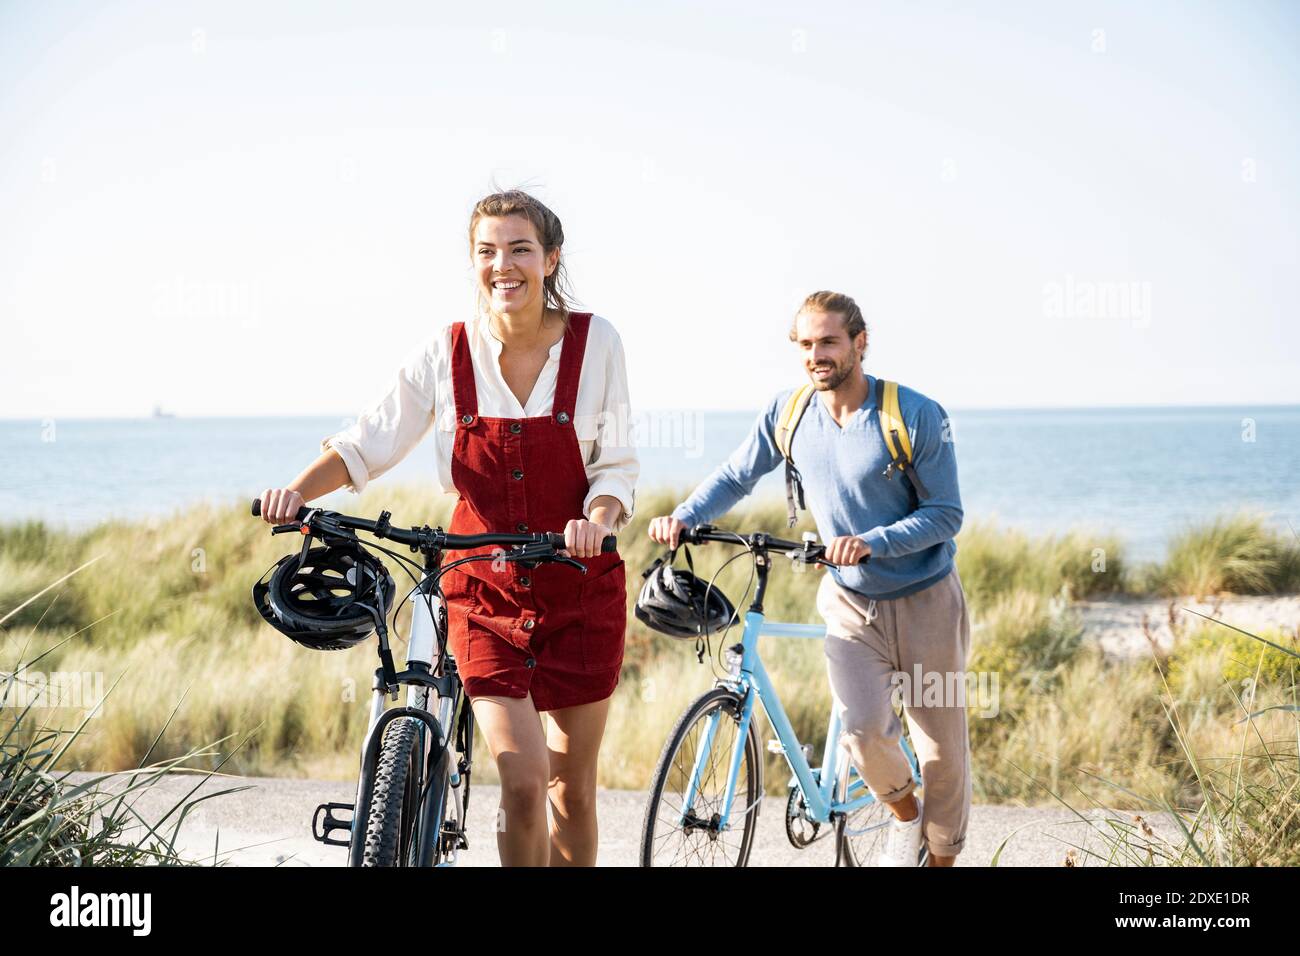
[(1126, 627)]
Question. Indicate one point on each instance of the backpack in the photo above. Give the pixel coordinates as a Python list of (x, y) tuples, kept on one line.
[(891, 427)]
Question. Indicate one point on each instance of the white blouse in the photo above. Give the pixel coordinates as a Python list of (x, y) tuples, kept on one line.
[(422, 400)]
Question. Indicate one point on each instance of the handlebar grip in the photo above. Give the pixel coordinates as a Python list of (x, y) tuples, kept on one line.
[(608, 546), (302, 512)]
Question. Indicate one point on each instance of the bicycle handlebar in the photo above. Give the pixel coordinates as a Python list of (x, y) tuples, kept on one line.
[(758, 541), (436, 538)]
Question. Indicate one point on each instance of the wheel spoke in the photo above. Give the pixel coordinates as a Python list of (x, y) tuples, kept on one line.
[(862, 829)]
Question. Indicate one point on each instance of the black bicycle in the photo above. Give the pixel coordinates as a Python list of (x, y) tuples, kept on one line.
[(413, 789)]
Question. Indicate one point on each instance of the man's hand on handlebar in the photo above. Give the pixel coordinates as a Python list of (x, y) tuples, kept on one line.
[(666, 530), (844, 550), (847, 549), (280, 505)]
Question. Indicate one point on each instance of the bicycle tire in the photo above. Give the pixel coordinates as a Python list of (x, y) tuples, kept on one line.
[(670, 773), (390, 822)]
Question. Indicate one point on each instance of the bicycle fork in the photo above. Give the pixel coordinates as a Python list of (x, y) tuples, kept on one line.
[(688, 820)]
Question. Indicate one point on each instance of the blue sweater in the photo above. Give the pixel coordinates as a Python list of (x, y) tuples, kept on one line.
[(847, 493)]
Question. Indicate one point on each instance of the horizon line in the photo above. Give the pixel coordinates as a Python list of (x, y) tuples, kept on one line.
[(711, 411)]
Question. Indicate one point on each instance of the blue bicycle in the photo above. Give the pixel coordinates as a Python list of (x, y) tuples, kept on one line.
[(708, 784)]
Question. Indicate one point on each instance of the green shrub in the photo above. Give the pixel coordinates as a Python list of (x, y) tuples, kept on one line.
[(1213, 653)]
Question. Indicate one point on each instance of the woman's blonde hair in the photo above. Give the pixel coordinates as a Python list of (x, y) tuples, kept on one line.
[(550, 233)]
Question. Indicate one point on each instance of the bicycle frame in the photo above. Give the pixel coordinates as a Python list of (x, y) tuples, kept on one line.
[(751, 680)]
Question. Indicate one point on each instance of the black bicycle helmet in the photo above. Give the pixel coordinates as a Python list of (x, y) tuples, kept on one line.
[(324, 600), (675, 602)]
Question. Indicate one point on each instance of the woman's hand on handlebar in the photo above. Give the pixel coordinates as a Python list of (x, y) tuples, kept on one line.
[(583, 538), (666, 530), (847, 549), (280, 505)]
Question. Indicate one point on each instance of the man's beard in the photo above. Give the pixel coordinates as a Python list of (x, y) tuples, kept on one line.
[(839, 373)]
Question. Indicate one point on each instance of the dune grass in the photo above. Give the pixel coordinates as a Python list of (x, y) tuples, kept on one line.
[(45, 819), (1236, 554), (1230, 762), (995, 561)]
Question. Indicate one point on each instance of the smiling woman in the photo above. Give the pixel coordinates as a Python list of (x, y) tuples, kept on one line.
[(525, 404), (512, 269)]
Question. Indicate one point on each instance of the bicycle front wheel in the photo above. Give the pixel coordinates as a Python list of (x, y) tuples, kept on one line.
[(683, 821), (390, 822)]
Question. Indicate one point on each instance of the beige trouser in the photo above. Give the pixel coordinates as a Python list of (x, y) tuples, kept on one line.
[(872, 647)]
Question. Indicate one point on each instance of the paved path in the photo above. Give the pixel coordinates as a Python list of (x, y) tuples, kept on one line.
[(269, 825)]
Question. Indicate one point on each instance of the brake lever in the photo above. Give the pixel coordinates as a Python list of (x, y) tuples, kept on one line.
[(798, 556), (530, 555), (302, 526), (552, 558)]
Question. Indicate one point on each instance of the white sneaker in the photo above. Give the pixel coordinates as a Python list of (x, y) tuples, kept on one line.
[(903, 843)]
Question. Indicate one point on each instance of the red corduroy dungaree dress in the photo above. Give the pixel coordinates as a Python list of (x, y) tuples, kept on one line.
[(550, 630)]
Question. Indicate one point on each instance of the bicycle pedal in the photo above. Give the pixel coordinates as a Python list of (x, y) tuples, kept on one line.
[(322, 828)]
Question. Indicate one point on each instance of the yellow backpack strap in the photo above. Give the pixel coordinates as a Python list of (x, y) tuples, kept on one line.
[(789, 418), (891, 423), (897, 442), (786, 424)]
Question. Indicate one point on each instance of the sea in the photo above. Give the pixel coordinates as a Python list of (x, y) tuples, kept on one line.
[(1142, 474)]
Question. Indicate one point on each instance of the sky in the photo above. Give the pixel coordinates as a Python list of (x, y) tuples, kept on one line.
[(261, 208)]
